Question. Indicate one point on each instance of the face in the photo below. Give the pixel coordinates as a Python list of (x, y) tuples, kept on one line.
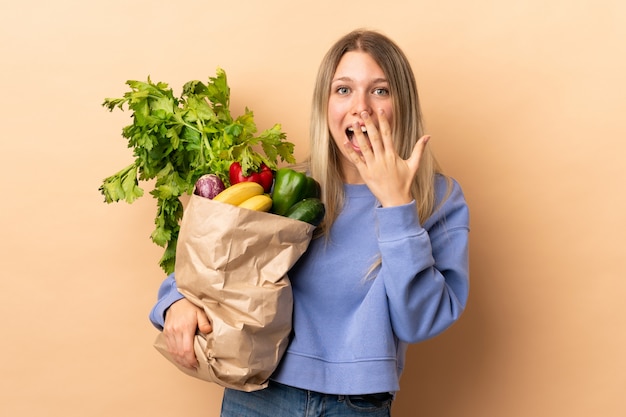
[(358, 85)]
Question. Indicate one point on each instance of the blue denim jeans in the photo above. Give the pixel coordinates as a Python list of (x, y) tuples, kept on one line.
[(279, 400)]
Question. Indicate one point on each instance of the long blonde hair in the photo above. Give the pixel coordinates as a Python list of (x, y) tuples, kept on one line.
[(407, 126)]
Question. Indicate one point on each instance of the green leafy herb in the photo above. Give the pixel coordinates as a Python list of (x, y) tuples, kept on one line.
[(176, 140)]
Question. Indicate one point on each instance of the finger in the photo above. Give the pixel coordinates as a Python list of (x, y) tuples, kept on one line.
[(188, 355), (356, 157), (361, 140), (372, 139), (384, 129), (204, 325), (180, 345)]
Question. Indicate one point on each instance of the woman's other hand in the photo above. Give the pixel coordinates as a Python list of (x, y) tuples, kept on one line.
[(182, 320)]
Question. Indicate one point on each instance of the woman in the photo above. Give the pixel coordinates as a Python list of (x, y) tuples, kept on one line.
[(389, 264)]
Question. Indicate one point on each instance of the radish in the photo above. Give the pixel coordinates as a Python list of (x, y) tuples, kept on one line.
[(209, 185)]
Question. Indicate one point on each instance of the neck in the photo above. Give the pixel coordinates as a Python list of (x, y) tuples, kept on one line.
[(351, 175)]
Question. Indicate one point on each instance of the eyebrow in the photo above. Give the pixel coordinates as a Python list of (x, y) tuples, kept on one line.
[(374, 81)]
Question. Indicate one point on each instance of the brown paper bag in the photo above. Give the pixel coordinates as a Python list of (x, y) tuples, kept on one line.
[(233, 263)]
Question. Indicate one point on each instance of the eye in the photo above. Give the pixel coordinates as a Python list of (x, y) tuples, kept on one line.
[(342, 90), (381, 91)]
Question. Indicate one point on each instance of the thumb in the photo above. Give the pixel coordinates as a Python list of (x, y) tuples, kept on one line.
[(203, 322), (418, 150)]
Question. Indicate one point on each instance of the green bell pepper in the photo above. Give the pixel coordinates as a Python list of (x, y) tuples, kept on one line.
[(290, 187)]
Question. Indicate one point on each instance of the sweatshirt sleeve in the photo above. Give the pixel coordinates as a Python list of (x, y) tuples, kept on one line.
[(168, 295), (425, 268)]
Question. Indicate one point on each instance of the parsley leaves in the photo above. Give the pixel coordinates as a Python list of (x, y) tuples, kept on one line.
[(176, 140)]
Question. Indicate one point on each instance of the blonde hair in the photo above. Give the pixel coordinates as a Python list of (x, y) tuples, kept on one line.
[(407, 126)]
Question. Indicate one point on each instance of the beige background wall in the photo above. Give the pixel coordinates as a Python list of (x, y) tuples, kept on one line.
[(525, 103)]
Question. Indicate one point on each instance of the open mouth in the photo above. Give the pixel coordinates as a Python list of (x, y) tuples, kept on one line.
[(350, 132)]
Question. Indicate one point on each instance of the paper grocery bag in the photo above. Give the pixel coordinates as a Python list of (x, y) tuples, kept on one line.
[(233, 263)]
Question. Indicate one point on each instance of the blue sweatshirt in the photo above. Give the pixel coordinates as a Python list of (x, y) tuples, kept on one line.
[(350, 329)]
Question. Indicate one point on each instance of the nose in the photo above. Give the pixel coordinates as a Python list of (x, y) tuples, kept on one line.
[(361, 103)]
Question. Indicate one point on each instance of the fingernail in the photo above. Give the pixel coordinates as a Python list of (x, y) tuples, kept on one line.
[(365, 115)]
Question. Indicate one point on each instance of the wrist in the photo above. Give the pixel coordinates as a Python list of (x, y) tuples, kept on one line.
[(394, 201)]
